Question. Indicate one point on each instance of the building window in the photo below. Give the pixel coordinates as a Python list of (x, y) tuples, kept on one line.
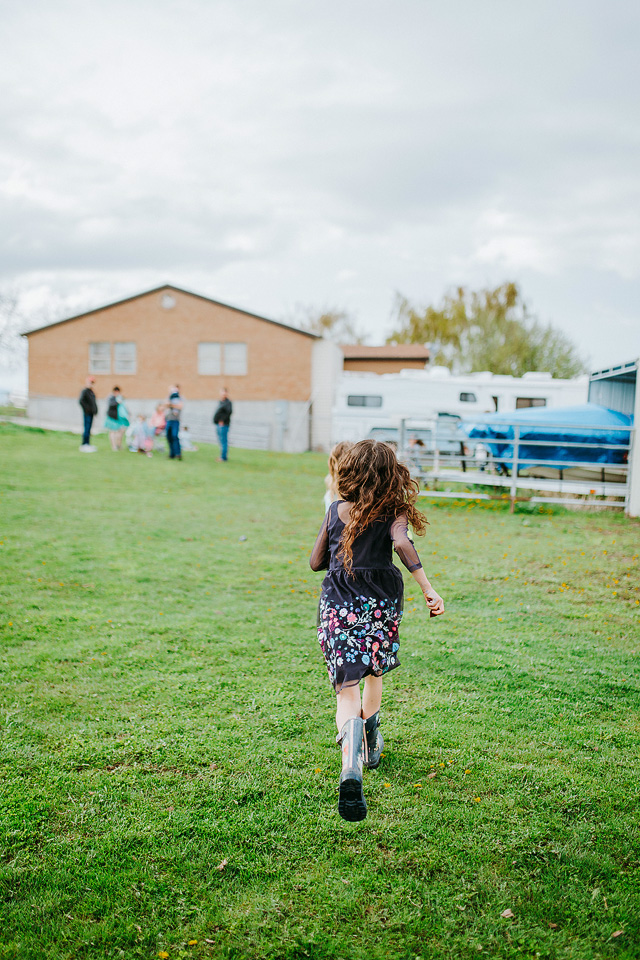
[(227, 358), (100, 357), (209, 359), (468, 398), (125, 358), (530, 402), (235, 359), (357, 401)]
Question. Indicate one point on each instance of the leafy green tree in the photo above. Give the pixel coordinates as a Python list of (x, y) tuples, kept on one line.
[(487, 330)]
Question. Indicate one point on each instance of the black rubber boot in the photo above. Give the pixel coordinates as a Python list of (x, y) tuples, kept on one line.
[(351, 803), (374, 741)]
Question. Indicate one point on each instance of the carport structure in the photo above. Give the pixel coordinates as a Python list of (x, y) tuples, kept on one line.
[(616, 388)]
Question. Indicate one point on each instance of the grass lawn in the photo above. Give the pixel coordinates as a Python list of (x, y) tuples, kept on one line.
[(168, 765)]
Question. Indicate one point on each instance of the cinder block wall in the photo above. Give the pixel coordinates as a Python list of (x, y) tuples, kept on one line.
[(257, 425)]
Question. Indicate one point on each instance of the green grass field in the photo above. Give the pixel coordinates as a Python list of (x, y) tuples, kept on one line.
[(168, 765)]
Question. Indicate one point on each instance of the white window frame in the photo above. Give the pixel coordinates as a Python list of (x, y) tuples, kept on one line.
[(209, 359), (100, 360), (235, 366), (125, 361)]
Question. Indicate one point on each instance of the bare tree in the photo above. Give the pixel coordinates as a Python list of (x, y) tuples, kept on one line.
[(13, 348), (332, 323)]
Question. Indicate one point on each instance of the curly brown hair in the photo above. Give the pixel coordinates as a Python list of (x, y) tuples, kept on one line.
[(336, 454), (378, 486)]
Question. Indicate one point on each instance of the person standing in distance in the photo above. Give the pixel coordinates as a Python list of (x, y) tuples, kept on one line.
[(117, 419), (222, 420), (173, 409), (89, 410)]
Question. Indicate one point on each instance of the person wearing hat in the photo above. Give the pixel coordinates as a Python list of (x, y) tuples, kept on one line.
[(173, 409), (89, 406)]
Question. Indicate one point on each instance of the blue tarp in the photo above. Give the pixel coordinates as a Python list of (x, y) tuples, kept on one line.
[(588, 424)]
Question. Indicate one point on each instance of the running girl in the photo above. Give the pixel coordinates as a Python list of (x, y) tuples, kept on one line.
[(361, 600)]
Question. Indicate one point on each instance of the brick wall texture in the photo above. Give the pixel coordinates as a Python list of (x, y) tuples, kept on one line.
[(278, 358), (379, 365)]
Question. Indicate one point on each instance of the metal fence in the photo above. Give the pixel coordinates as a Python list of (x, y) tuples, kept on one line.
[(585, 480)]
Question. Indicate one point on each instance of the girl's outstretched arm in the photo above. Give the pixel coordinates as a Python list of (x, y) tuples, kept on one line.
[(319, 559), (409, 557), (433, 600)]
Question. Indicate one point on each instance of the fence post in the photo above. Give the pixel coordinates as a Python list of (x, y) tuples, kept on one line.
[(402, 440), (633, 482), (633, 460), (514, 468)]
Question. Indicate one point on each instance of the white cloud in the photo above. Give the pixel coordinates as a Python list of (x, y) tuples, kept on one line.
[(269, 154)]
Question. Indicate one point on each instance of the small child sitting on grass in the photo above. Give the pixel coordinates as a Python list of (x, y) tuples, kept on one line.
[(141, 438)]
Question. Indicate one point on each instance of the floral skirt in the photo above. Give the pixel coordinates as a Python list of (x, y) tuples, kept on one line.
[(358, 634)]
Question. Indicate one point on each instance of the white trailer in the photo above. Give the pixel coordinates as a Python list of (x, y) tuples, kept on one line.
[(367, 400)]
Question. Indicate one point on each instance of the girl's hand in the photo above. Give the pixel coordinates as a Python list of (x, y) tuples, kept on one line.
[(435, 603)]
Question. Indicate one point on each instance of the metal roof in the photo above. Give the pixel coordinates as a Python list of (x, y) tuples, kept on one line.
[(389, 351), (622, 371)]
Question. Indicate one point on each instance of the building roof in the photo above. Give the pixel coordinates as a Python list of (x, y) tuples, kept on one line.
[(622, 371), (395, 351), (168, 286)]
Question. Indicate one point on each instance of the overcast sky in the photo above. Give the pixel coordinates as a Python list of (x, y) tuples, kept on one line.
[(271, 153)]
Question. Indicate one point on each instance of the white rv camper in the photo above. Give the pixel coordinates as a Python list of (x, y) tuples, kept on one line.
[(379, 402)]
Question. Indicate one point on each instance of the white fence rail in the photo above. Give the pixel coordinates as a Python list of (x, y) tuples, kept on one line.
[(584, 482)]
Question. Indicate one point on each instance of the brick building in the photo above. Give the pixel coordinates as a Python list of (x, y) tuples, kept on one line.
[(167, 335), (391, 358)]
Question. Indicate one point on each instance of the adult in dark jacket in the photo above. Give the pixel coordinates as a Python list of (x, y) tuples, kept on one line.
[(222, 420), (89, 406)]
